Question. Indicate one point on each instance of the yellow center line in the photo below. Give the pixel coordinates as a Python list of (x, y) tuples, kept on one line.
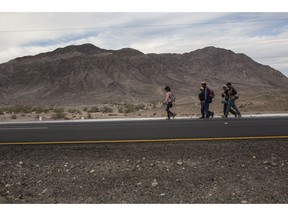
[(143, 140)]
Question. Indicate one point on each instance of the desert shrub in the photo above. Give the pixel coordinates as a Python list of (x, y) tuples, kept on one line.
[(59, 110), (90, 116), (56, 116), (20, 109), (112, 114), (71, 111), (59, 113), (121, 110), (13, 116), (39, 110), (107, 109), (129, 108), (74, 111), (94, 109)]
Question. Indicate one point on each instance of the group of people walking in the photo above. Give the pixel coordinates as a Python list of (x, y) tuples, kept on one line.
[(205, 96)]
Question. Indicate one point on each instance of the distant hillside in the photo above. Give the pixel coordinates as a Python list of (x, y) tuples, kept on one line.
[(87, 74)]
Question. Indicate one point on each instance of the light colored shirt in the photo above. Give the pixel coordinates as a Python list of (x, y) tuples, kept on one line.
[(168, 97)]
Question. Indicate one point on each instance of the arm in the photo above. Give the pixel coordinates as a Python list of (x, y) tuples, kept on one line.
[(167, 99)]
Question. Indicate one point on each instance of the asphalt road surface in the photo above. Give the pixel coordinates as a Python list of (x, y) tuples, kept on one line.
[(143, 131)]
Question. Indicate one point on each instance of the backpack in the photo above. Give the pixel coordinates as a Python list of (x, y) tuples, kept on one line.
[(173, 98), (211, 93)]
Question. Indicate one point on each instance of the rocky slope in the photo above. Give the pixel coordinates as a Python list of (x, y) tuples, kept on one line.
[(87, 74)]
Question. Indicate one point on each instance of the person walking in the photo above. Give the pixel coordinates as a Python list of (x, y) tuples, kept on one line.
[(169, 99), (225, 101), (207, 100), (232, 94), (201, 97)]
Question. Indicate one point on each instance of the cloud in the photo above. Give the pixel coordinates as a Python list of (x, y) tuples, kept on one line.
[(262, 36)]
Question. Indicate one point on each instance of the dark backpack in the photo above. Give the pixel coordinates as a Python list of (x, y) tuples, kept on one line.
[(211, 93), (173, 98)]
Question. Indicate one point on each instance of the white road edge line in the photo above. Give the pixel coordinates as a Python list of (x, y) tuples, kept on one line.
[(139, 119), (25, 128)]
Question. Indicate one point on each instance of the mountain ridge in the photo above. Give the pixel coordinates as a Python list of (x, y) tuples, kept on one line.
[(88, 74)]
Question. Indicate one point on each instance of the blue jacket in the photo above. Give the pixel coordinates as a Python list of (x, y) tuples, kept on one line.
[(208, 99)]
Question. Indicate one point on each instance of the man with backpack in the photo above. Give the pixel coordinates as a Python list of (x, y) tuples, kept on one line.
[(208, 95), (232, 94)]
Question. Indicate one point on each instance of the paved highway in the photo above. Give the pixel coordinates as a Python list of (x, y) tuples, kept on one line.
[(143, 131)]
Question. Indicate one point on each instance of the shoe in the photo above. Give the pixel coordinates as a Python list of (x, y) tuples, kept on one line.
[(212, 114), (201, 117), (235, 115), (239, 116), (174, 115), (167, 119)]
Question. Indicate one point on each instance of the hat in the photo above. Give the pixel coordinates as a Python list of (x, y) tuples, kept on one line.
[(228, 83), (203, 83)]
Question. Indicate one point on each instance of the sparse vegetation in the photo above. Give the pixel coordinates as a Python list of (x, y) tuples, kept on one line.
[(107, 109), (39, 110), (121, 110), (90, 116), (59, 114), (129, 108), (94, 109), (19, 109), (14, 116)]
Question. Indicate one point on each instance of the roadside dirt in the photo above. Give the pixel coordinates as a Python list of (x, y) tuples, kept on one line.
[(187, 172)]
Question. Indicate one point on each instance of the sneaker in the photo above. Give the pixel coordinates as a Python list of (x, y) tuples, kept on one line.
[(174, 115)]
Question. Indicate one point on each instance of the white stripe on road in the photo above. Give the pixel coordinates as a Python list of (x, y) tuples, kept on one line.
[(25, 128)]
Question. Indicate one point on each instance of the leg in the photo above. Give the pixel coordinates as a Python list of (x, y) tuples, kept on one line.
[(236, 109), (224, 108), (202, 110), (233, 112), (169, 113), (206, 110), (227, 109)]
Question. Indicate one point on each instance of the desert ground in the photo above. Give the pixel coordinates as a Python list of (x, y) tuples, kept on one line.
[(263, 103), (241, 172)]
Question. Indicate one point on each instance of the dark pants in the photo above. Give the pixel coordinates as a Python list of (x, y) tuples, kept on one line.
[(169, 113), (205, 109)]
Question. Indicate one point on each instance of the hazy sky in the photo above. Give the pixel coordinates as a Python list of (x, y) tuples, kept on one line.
[(263, 36)]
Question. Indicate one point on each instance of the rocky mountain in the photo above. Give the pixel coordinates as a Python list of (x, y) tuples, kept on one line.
[(87, 74)]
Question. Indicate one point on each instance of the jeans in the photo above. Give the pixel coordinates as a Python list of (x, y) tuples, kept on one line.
[(169, 113), (232, 104), (226, 102)]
